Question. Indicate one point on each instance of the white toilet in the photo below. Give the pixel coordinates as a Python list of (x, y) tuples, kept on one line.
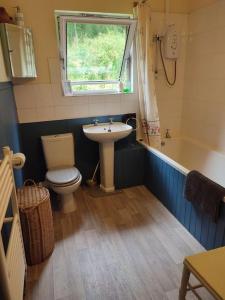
[(62, 176)]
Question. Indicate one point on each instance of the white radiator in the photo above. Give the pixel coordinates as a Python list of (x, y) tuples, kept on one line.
[(12, 257)]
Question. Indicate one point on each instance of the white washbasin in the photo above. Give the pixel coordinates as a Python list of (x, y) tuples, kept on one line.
[(106, 132)]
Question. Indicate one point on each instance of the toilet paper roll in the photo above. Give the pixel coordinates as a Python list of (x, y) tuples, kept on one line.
[(18, 160)]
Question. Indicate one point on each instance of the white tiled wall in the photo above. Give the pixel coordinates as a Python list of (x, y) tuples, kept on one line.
[(204, 92), (170, 98), (45, 102)]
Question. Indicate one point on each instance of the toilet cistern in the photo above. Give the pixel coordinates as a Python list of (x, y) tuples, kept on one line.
[(106, 138)]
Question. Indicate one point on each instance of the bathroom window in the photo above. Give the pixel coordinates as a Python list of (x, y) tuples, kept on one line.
[(96, 53)]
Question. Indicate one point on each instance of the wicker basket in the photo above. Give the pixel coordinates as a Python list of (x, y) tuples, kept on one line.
[(36, 221)]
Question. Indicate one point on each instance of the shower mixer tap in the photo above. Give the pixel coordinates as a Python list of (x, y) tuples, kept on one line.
[(168, 136)]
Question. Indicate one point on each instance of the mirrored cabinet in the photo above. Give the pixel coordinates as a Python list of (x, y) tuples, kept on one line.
[(18, 51)]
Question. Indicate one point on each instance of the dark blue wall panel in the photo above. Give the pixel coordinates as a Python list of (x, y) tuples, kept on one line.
[(167, 184), (129, 165), (9, 134), (86, 151)]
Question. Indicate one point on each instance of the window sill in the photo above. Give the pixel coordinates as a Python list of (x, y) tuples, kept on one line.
[(97, 94)]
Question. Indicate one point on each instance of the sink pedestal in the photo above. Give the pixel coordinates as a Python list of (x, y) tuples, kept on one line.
[(106, 151)]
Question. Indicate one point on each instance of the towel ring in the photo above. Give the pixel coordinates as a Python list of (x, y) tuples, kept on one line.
[(137, 126)]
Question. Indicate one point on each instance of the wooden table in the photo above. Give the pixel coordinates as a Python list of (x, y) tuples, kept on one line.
[(209, 269)]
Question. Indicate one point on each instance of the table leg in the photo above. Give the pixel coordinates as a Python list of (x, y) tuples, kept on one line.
[(184, 283)]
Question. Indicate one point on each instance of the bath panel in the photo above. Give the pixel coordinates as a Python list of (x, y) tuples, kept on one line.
[(167, 184)]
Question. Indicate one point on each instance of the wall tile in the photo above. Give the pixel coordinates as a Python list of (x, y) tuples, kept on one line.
[(27, 115), (43, 95), (128, 106), (63, 112), (204, 88), (25, 96), (104, 98), (97, 109), (46, 113), (80, 100), (112, 108), (170, 98), (47, 102), (80, 110), (54, 70), (58, 98)]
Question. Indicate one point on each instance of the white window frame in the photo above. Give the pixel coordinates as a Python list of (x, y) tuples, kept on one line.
[(96, 19)]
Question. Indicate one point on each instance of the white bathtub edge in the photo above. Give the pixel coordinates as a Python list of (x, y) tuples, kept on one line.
[(165, 158), (168, 160)]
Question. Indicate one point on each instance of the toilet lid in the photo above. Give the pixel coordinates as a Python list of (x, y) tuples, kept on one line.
[(62, 176)]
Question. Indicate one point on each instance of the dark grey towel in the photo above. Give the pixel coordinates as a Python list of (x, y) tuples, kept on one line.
[(204, 194)]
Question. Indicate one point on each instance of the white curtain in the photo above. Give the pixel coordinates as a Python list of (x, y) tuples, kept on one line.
[(150, 129)]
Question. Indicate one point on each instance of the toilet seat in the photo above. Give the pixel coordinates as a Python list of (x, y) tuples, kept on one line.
[(63, 177), (66, 184)]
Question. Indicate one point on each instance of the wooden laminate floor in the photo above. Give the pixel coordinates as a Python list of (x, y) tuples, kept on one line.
[(125, 246)]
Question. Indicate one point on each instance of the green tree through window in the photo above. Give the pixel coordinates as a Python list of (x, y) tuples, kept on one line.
[(95, 52)]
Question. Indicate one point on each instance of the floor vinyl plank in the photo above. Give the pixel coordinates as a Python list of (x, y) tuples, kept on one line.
[(124, 246)]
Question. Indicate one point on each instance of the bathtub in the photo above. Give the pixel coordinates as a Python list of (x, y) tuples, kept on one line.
[(192, 155), (165, 176)]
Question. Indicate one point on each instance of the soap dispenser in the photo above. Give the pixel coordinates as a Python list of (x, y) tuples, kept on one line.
[(19, 19)]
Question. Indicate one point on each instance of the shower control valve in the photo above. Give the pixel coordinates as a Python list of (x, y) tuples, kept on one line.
[(168, 136)]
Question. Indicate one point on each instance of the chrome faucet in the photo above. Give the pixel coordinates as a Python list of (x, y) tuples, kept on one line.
[(110, 120), (110, 123), (168, 136), (95, 122)]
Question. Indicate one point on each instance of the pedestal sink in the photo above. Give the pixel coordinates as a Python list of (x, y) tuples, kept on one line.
[(106, 134)]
